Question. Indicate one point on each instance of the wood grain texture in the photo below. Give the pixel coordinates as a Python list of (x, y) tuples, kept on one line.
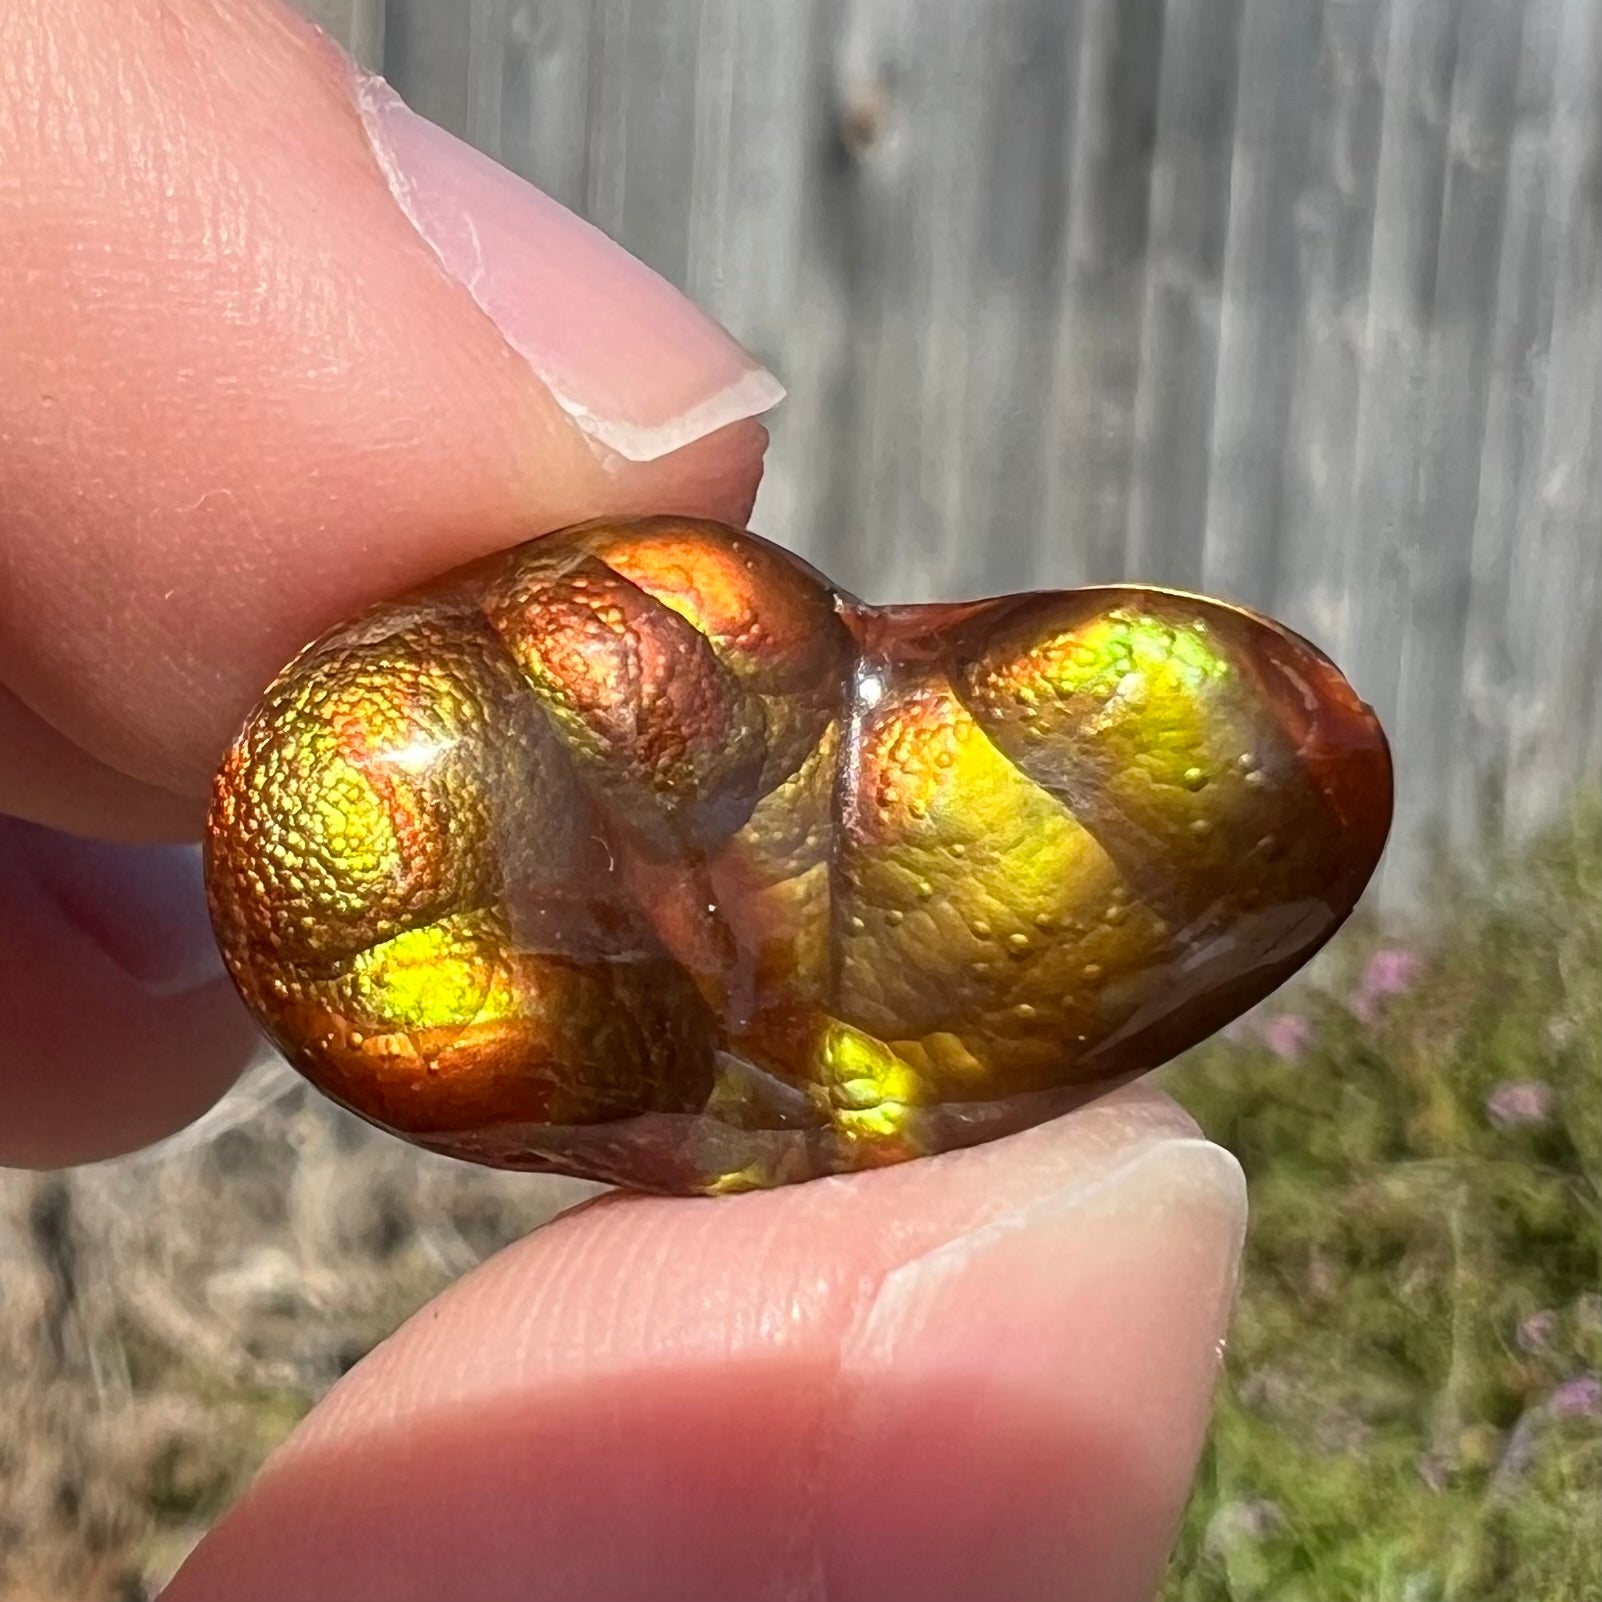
[(1299, 301)]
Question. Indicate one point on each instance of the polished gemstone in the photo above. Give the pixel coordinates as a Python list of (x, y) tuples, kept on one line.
[(640, 853)]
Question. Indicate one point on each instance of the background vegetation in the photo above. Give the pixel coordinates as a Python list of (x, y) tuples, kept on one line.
[(1413, 1407)]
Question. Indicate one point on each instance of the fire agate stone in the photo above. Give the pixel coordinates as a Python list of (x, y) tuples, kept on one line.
[(640, 853)]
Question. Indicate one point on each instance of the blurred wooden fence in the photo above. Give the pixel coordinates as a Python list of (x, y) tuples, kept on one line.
[(1295, 301)]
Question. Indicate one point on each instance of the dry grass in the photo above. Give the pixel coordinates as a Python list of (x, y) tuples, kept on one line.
[(167, 1318)]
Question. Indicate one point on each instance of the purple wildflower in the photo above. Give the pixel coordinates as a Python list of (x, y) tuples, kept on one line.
[(1517, 1102), (1391, 971), (1287, 1035), (1577, 1398)]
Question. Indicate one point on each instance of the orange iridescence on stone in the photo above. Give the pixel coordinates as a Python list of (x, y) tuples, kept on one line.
[(639, 853)]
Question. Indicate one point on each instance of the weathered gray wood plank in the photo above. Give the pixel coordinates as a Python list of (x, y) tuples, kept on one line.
[(1520, 332), (1555, 632), (1391, 421), (1256, 336), (1333, 231), (1189, 221), (1429, 709), (750, 128), (1089, 445)]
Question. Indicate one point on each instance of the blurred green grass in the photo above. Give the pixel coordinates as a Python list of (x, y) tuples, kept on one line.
[(1412, 1409)]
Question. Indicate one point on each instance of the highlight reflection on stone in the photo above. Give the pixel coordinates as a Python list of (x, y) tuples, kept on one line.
[(641, 854)]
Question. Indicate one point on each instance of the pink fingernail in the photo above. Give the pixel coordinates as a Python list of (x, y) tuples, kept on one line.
[(637, 366)]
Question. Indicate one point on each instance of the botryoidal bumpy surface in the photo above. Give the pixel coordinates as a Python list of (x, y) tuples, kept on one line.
[(640, 853)]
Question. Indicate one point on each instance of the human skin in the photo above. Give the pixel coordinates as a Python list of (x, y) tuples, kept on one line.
[(249, 382)]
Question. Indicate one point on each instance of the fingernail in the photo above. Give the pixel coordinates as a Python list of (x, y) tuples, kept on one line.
[(142, 906), (637, 366), (1170, 1214)]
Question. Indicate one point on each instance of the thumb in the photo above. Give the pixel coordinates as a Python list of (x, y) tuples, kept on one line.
[(271, 346), (981, 1377)]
